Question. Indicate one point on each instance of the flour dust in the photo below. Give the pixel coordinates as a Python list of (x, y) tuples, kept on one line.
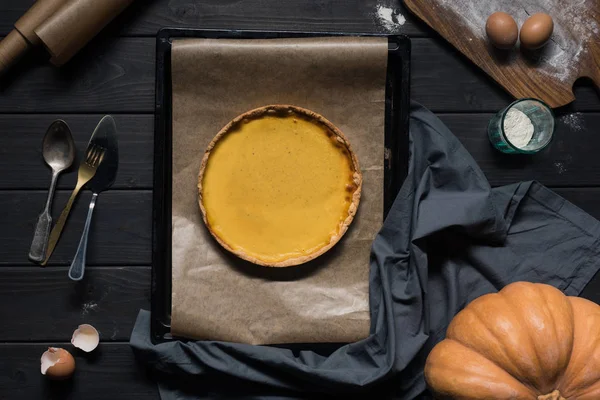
[(574, 27), (389, 18), (574, 121)]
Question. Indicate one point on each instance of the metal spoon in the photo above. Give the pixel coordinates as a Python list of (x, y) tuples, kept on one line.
[(59, 153)]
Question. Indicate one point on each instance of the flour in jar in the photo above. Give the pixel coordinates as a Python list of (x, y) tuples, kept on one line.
[(518, 128), (574, 27)]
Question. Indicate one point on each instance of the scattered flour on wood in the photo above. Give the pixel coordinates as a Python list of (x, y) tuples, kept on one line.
[(574, 27), (574, 121), (389, 18), (115, 330), (560, 168), (86, 308), (563, 165)]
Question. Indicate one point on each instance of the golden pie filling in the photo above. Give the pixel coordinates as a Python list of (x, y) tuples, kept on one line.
[(279, 186)]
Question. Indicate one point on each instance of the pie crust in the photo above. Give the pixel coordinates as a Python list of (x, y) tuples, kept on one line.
[(233, 192)]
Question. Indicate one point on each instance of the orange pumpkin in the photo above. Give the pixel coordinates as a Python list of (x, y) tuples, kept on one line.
[(527, 342)]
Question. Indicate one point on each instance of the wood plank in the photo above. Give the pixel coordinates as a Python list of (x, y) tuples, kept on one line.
[(21, 161), (117, 75), (444, 80), (107, 298), (551, 80), (565, 162), (109, 75), (147, 17), (120, 233), (111, 372), (121, 229)]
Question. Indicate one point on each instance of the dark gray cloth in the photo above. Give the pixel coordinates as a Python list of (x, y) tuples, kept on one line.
[(448, 239)]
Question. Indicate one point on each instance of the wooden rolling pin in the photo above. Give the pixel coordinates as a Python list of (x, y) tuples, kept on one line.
[(62, 26), (20, 39), (75, 24)]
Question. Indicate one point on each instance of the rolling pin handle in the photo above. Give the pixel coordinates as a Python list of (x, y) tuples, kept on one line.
[(12, 48)]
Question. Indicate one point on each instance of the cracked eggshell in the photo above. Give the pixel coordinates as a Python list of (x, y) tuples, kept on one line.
[(57, 363), (86, 338)]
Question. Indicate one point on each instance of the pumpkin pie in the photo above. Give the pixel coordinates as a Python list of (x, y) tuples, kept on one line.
[(279, 186)]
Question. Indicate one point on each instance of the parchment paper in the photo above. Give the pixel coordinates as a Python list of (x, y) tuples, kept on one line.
[(215, 295)]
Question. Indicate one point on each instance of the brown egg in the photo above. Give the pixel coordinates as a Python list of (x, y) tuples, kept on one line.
[(536, 31), (57, 363), (502, 30)]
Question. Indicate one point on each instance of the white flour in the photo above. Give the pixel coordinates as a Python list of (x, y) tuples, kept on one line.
[(570, 39), (574, 121), (391, 20), (560, 168), (518, 128)]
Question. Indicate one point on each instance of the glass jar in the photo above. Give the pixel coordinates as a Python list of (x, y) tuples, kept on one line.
[(542, 119)]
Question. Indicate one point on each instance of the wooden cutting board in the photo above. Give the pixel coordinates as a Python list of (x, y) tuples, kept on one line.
[(547, 74)]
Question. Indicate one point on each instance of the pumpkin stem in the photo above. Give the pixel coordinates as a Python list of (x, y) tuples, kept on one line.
[(552, 396)]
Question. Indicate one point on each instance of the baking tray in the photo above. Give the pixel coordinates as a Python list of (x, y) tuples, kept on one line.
[(397, 104)]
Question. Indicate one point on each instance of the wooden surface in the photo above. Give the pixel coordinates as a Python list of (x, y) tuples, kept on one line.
[(115, 74), (521, 72)]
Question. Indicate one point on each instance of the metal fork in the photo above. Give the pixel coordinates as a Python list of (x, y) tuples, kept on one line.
[(87, 169)]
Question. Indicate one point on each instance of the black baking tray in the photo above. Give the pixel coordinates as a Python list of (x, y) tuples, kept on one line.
[(397, 104)]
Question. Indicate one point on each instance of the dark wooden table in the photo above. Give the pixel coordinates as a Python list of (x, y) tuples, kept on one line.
[(115, 74)]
